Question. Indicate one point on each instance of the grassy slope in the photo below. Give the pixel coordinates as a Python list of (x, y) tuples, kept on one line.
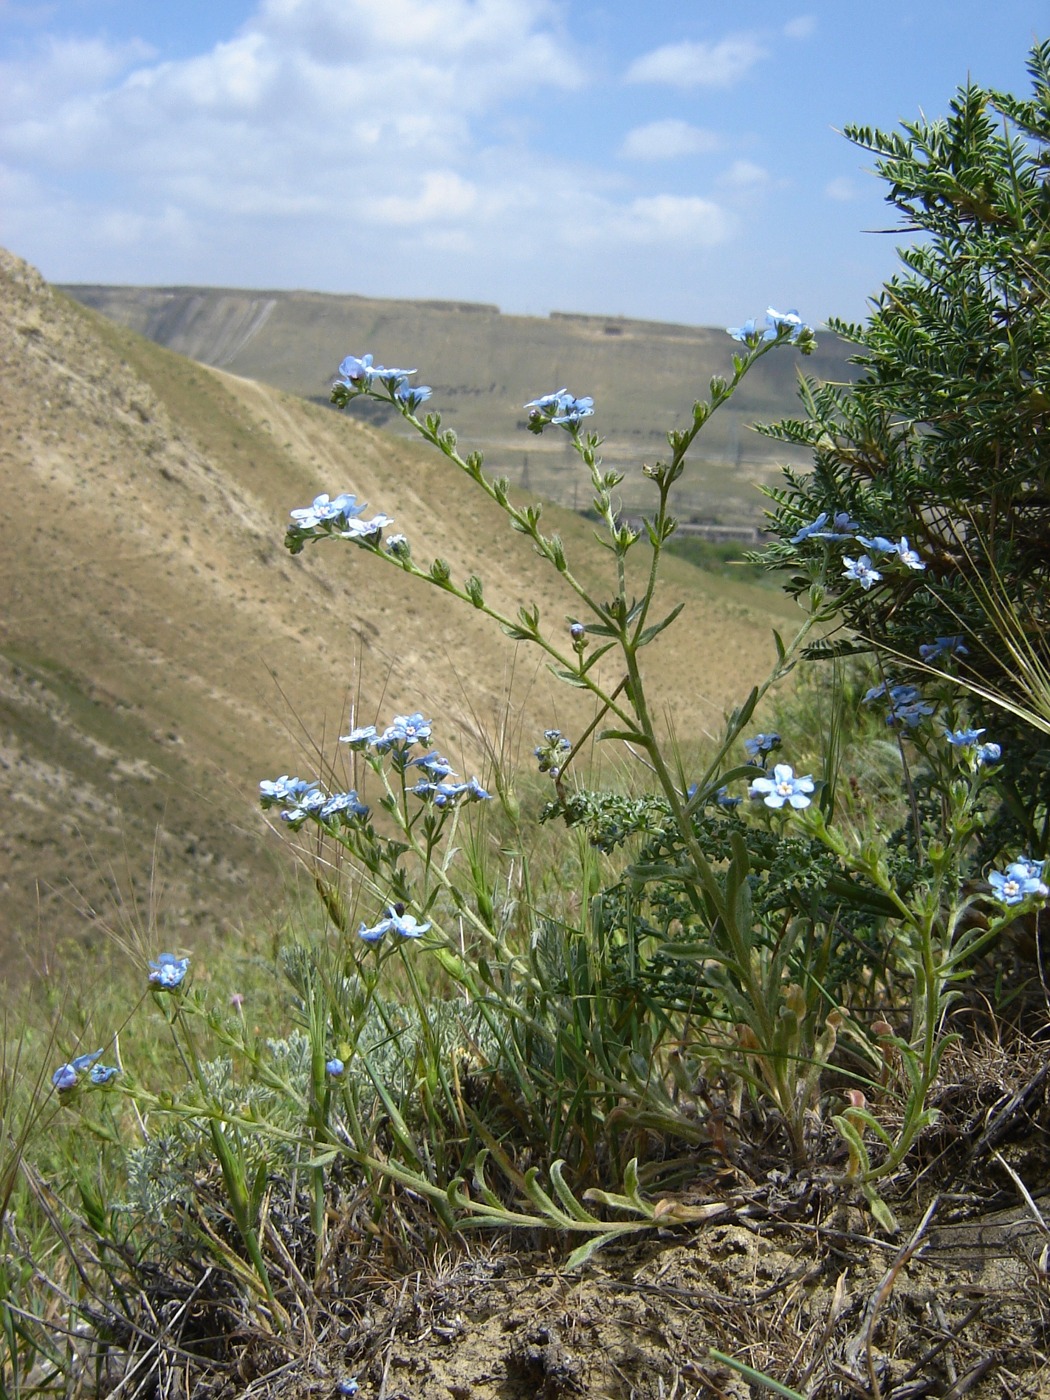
[(159, 651), (484, 366)]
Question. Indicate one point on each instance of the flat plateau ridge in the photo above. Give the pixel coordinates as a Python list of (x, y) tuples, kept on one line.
[(160, 652), (484, 366)]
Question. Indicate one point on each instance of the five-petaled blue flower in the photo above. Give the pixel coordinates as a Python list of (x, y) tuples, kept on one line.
[(394, 921), (783, 787), (404, 729), (1021, 880), (907, 555), (168, 971), (861, 571), (878, 544), (963, 738)]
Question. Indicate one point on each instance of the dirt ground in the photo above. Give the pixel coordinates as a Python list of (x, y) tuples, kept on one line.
[(818, 1304)]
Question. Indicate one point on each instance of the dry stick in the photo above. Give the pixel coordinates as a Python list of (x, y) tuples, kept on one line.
[(390, 1344), (879, 1297), (938, 1347), (1001, 1122), (1025, 1193)]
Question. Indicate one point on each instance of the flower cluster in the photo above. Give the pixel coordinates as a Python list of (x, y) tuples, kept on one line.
[(561, 409), (866, 569), (969, 741), (548, 754), (437, 784), (67, 1076), (907, 709), (358, 375), (333, 517), (300, 800), (783, 787), (1021, 880), (841, 528), (778, 323)]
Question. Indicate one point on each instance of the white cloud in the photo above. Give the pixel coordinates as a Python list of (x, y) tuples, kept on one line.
[(745, 175), (688, 64), (668, 140), (841, 189), (343, 145), (670, 219), (800, 28), (443, 196)]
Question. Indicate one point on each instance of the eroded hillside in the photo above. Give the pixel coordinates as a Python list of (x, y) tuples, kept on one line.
[(160, 652)]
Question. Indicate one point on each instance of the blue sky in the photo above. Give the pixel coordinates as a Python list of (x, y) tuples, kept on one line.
[(676, 161)]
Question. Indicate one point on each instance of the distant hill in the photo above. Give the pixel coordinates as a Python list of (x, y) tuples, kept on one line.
[(483, 366), (160, 652)]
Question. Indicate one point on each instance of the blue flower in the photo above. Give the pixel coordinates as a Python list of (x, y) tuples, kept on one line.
[(398, 546), (66, 1076), (310, 804), (963, 738), (781, 320), (283, 790), (411, 396), (861, 571), (910, 714), (392, 378), (102, 1074), (368, 530), (842, 528), (168, 971), (723, 799), (348, 1386), (394, 921), (571, 410), (749, 332), (357, 373), (907, 555), (334, 1067), (761, 743), (878, 544), (987, 753), (362, 738), (1021, 880), (404, 729), (326, 508), (783, 787), (433, 765), (346, 804), (561, 408), (943, 646)]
